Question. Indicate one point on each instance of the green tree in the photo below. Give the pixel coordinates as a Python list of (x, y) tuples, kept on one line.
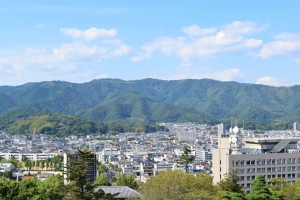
[(186, 159), (102, 168), (127, 180), (47, 164), (259, 190), (102, 180), (50, 189), (230, 189), (76, 170), (275, 185), (9, 190), (178, 185), (42, 164), (28, 189), (291, 191)]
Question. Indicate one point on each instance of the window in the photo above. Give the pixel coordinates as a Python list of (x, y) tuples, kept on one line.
[(248, 178), (273, 161), (252, 162), (242, 178), (248, 185), (248, 162), (269, 176), (269, 169), (253, 177), (258, 170), (289, 169), (283, 169), (273, 176), (279, 161), (273, 169), (293, 168), (269, 162), (293, 160), (279, 176), (263, 169), (248, 171), (242, 163), (283, 161), (298, 168), (293, 175), (283, 175), (289, 160), (242, 171), (279, 169), (263, 162), (289, 176), (298, 175), (258, 162), (298, 160)]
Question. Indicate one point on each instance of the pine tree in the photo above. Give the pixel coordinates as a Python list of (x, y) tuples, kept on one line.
[(79, 186), (186, 159), (259, 190)]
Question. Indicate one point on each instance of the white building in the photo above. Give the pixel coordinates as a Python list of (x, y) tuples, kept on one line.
[(272, 157), (187, 136), (221, 129), (296, 126)]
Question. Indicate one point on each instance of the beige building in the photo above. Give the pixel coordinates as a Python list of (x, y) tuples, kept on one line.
[(272, 157)]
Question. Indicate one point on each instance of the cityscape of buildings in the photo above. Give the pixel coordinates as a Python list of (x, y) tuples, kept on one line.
[(216, 150)]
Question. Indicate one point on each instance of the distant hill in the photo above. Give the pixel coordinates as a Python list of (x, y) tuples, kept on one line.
[(151, 100), (25, 120)]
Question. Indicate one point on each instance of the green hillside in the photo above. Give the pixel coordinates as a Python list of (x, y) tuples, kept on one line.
[(23, 121), (129, 106), (6, 102), (151, 100)]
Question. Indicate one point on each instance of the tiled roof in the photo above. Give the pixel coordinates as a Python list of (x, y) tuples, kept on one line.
[(125, 192)]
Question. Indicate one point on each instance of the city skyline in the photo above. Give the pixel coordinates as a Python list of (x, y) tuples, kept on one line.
[(249, 42)]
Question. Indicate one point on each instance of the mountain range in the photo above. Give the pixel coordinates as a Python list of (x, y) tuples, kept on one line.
[(152, 100)]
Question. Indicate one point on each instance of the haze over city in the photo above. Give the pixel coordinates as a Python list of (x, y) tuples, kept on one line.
[(78, 41)]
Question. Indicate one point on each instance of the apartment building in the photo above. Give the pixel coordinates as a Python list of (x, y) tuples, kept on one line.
[(91, 172), (271, 157)]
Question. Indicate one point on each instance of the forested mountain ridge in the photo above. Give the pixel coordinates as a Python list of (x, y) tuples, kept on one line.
[(154, 100)]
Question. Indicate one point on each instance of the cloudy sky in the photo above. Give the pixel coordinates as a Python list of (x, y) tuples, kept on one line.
[(78, 41)]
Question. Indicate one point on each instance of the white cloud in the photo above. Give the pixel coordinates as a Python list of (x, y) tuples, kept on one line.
[(89, 34), (137, 58), (247, 27), (40, 25), (190, 72), (267, 80), (229, 40), (70, 60), (196, 31), (285, 44)]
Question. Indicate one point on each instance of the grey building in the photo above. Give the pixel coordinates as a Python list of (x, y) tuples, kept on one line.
[(271, 157)]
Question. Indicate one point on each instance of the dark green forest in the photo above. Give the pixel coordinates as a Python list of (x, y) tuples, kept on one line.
[(149, 101)]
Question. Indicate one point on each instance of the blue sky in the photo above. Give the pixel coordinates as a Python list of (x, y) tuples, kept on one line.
[(78, 41)]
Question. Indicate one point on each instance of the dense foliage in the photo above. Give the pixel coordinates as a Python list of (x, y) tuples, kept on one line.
[(151, 100), (29, 121)]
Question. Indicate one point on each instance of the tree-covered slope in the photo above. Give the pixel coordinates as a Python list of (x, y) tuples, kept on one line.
[(210, 98), (6, 102), (131, 106)]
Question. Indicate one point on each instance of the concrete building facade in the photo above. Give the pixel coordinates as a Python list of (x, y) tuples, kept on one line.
[(271, 157)]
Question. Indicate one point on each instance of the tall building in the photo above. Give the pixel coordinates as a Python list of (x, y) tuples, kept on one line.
[(296, 126), (271, 157), (91, 172), (221, 129)]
